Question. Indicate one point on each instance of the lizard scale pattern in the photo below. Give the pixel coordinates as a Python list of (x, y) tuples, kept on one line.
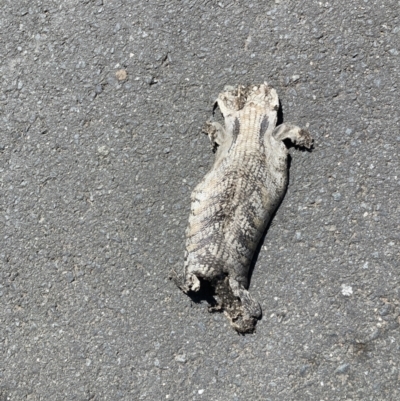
[(233, 204)]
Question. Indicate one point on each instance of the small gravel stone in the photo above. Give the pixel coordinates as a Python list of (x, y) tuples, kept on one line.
[(385, 310), (342, 369), (121, 75), (337, 196), (304, 369), (180, 358), (374, 335), (70, 277), (103, 150), (347, 290)]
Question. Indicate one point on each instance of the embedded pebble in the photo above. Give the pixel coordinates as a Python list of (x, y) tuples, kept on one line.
[(70, 277), (181, 358), (347, 290), (344, 368), (121, 75), (103, 150), (337, 196)]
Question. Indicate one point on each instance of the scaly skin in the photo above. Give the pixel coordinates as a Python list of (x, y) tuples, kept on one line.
[(233, 204)]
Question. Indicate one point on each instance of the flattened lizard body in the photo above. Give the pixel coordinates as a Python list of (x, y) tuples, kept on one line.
[(233, 204)]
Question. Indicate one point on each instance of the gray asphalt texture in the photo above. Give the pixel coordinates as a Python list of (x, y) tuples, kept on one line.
[(96, 170)]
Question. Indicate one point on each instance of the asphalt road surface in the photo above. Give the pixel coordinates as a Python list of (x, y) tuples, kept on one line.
[(101, 108)]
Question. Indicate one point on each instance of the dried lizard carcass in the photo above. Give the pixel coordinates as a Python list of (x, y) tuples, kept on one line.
[(233, 204)]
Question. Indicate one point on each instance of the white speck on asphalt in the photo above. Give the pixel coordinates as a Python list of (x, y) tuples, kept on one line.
[(347, 290)]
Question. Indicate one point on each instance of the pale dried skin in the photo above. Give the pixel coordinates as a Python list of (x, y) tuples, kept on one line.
[(233, 204)]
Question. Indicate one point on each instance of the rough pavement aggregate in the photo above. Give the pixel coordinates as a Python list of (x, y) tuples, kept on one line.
[(101, 108)]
